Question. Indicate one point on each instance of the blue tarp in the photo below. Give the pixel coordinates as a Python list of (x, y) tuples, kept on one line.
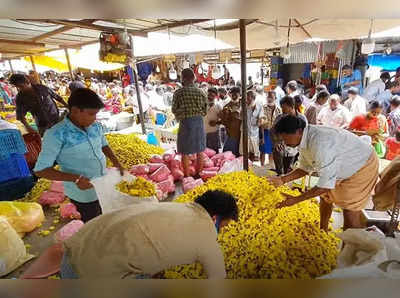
[(387, 62)]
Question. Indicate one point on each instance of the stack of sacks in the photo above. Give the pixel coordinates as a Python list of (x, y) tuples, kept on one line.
[(167, 169), (54, 196), (189, 183)]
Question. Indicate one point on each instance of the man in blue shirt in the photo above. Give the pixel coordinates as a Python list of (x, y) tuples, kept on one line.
[(79, 147), (351, 78)]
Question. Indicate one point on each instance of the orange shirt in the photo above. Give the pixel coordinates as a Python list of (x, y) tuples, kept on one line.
[(362, 123), (393, 148)]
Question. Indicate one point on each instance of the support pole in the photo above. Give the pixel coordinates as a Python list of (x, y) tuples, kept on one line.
[(69, 64), (33, 63), (135, 78), (141, 115), (242, 26), (11, 67)]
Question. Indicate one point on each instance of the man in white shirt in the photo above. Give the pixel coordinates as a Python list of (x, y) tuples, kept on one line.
[(335, 115), (260, 96), (347, 168), (144, 239), (291, 89), (224, 98), (279, 91), (376, 87), (355, 103), (211, 120), (254, 114), (315, 107)]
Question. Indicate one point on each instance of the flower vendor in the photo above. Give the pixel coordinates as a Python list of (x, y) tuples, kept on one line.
[(77, 144), (347, 168), (142, 240)]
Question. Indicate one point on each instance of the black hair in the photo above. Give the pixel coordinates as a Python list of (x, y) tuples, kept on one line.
[(17, 79), (375, 105), (188, 73), (397, 135), (213, 90), (323, 94), (85, 98), (270, 93), (289, 124), (76, 85), (222, 90), (298, 100), (321, 87), (287, 100), (292, 85), (395, 101), (385, 76), (235, 90), (220, 203), (346, 66)]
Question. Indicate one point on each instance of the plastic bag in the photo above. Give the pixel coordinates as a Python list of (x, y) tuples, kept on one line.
[(230, 166), (167, 186), (51, 198), (57, 186), (177, 174), (208, 163), (154, 167), (210, 152), (205, 175), (380, 149), (111, 199), (12, 249), (229, 155), (68, 230), (145, 177), (169, 155), (140, 170), (187, 180), (156, 159), (161, 174), (176, 163), (191, 185), (23, 217), (69, 211)]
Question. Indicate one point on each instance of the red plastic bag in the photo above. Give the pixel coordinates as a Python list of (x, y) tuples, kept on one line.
[(166, 186), (176, 163), (192, 171), (213, 169), (161, 195), (155, 166), (210, 152), (51, 198), (69, 211), (161, 174), (191, 185), (156, 159), (57, 186), (169, 155), (145, 176), (229, 155), (192, 156), (68, 230), (187, 180), (177, 174), (205, 175), (208, 163), (140, 170)]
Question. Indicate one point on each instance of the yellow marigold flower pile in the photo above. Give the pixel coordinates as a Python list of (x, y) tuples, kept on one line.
[(41, 186), (266, 242), (130, 150), (140, 187)]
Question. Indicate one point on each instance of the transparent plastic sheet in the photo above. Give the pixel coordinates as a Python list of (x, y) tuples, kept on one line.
[(12, 248), (110, 198), (23, 217), (367, 254)]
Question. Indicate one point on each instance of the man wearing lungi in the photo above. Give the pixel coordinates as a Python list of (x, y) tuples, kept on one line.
[(346, 165), (189, 106)]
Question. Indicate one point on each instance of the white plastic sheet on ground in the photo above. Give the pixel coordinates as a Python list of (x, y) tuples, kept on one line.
[(367, 254), (111, 199)]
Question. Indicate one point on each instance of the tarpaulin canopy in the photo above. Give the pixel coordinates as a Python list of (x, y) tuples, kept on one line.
[(386, 62), (49, 62)]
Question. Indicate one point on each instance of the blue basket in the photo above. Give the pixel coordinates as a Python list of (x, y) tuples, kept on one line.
[(13, 168), (11, 142), (16, 189)]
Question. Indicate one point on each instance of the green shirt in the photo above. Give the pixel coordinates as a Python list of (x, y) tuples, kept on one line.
[(188, 102)]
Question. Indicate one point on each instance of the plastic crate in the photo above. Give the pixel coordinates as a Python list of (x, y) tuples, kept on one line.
[(11, 142), (33, 143), (16, 189), (13, 168)]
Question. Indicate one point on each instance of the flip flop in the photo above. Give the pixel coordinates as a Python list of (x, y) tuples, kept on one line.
[(47, 264)]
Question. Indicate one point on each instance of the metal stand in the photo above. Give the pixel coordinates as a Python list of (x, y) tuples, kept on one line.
[(242, 26), (394, 220)]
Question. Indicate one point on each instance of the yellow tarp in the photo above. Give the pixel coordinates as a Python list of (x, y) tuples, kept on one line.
[(49, 62)]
